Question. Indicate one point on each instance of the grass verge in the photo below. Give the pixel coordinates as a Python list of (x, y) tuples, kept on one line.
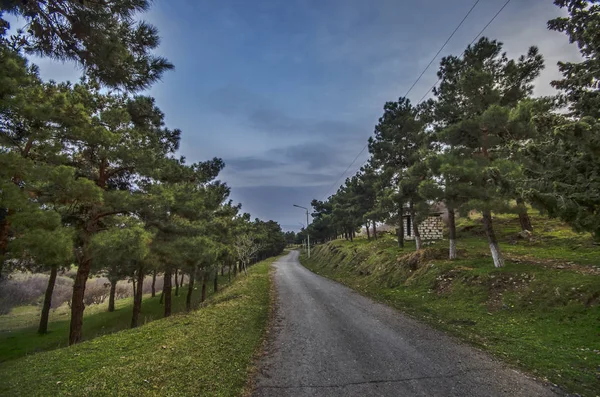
[(539, 315), (207, 352)]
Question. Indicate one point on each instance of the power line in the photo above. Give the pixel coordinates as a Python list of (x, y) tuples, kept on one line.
[(472, 42), (344, 173), (442, 47), (410, 89), (423, 72)]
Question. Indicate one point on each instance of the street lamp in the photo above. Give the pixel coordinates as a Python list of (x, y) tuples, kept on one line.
[(307, 236)]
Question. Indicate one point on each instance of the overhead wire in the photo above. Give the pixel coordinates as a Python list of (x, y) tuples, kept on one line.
[(421, 75), (472, 42)]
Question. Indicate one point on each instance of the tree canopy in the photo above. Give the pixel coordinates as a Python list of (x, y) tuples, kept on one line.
[(483, 143), (89, 176)]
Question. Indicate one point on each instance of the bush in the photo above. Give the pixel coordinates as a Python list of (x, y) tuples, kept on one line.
[(29, 289), (96, 291), (63, 289)]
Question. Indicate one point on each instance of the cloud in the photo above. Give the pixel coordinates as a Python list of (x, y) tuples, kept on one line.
[(256, 112), (276, 202), (251, 164), (315, 163), (315, 155)]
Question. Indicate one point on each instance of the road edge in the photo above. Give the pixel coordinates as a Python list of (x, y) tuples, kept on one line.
[(262, 350)]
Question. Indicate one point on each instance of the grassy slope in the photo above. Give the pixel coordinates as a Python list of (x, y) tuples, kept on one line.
[(18, 329), (206, 352), (541, 312)]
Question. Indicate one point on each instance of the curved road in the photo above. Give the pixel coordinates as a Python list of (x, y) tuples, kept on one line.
[(330, 341)]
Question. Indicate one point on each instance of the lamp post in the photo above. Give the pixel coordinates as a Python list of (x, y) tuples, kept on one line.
[(307, 235)]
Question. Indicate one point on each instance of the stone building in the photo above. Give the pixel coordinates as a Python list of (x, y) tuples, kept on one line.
[(432, 228)]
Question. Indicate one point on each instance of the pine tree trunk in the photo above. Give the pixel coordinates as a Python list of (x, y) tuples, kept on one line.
[(351, 233), (368, 232), (167, 291), (154, 283), (181, 280), (43, 328), (492, 241), (4, 230), (400, 233), (415, 228), (452, 232), (162, 293), (524, 219), (216, 281), (133, 282), (203, 297), (111, 295), (176, 284), (375, 230), (188, 298), (137, 298), (77, 304)]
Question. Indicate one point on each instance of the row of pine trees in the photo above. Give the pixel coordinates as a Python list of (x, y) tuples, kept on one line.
[(483, 142), (89, 175)]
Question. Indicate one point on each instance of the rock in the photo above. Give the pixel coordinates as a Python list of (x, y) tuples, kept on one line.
[(524, 235)]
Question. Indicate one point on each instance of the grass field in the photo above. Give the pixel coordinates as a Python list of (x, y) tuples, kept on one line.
[(541, 312), (208, 352), (18, 329)]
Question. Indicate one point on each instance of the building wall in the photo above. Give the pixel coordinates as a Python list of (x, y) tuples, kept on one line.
[(431, 228)]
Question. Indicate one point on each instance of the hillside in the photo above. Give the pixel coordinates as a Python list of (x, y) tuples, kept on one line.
[(541, 312), (207, 352)]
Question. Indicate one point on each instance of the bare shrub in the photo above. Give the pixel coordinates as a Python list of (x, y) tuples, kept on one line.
[(159, 284), (71, 272), (160, 280), (124, 290), (29, 289), (63, 289), (12, 293), (96, 291)]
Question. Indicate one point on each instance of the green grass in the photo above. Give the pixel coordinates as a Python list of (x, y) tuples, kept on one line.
[(534, 313), (208, 352), (18, 329)]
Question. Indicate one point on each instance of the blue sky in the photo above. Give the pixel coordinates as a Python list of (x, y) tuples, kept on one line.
[(287, 92)]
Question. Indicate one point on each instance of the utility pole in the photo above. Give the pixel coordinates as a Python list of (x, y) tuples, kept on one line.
[(307, 235)]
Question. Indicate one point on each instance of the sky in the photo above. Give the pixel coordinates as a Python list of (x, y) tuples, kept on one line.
[(288, 92)]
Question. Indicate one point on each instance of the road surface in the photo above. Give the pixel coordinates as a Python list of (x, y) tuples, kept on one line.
[(328, 340)]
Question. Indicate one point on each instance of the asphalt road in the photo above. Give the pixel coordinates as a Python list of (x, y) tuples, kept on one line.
[(328, 340)]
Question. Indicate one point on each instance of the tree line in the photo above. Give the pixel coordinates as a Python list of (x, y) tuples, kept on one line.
[(89, 174), (484, 142)]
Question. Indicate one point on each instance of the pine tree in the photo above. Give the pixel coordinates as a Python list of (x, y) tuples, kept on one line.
[(124, 250), (474, 102), (104, 37), (563, 167), (34, 117), (120, 141), (399, 146)]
